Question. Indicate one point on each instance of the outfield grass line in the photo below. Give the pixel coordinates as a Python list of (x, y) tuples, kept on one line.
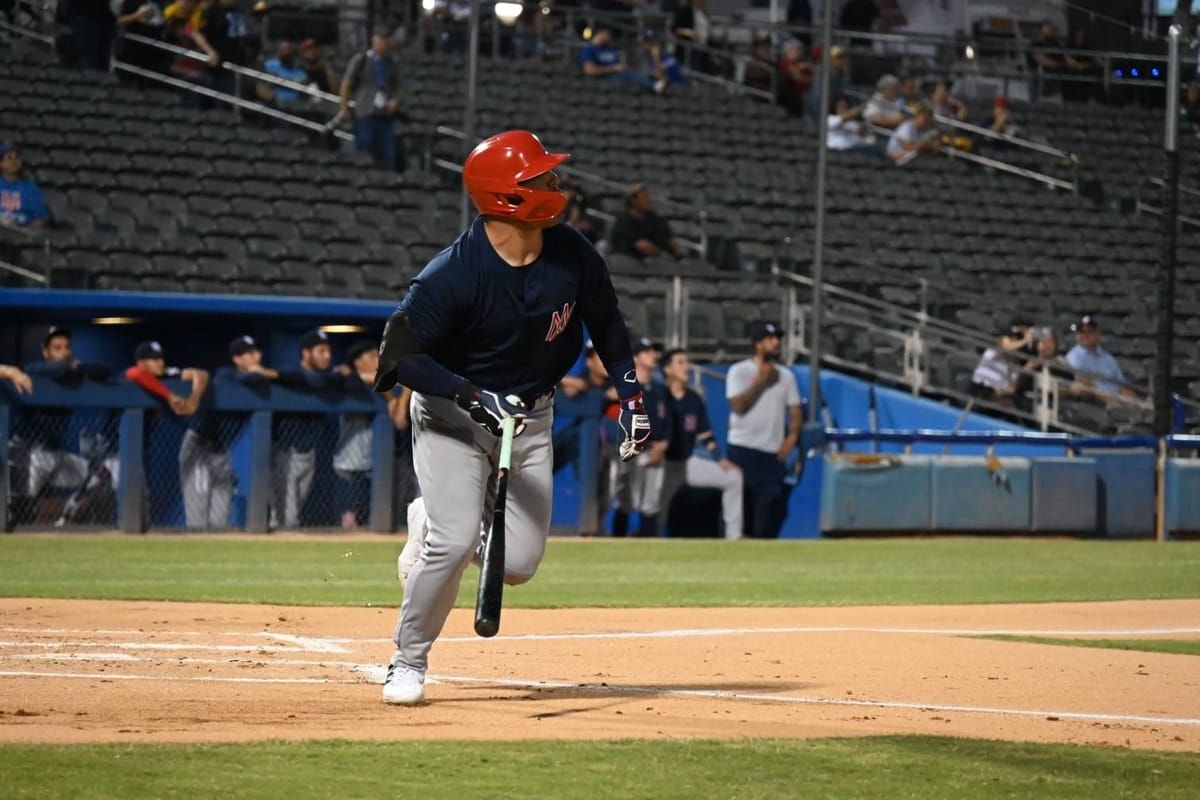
[(114, 676)]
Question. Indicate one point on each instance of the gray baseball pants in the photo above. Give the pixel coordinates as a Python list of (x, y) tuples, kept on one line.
[(206, 475), (705, 474), (455, 461)]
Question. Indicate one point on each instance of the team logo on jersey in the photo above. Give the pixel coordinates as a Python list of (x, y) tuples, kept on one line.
[(631, 376), (558, 322)]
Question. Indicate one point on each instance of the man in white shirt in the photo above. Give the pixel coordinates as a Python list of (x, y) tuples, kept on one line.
[(1096, 368), (764, 401), (845, 130), (885, 108), (912, 137)]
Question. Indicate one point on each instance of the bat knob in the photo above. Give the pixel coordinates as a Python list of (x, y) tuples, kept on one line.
[(487, 628)]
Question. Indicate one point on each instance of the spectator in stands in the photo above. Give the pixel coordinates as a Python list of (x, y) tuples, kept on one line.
[(297, 435), (1189, 109), (759, 71), (20, 380), (287, 66), (997, 375), (185, 19), (1096, 369), (845, 131), (691, 26), (1083, 67), (915, 136), (689, 426), (227, 30), (21, 201), (1045, 354), (93, 30), (316, 66), (372, 79), (1001, 121), (795, 77), (885, 108), (761, 396), (942, 103), (837, 81), (352, 456), (1051, 63), (799, 13), (452, 21), (639, 231), (910, 94), (660, 64), (41, 437), (144, 19), (601, 60), (860, 15), (637, 484), (576, 214)]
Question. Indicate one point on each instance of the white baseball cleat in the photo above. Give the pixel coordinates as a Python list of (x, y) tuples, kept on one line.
[(404, 686), (417, 520)]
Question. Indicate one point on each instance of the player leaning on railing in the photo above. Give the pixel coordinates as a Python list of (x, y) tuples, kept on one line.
[(486, 332)]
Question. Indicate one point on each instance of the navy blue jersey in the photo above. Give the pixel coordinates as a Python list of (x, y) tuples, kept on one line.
[(658, 408), (210, 425), (48, 426), (516, 330), (689, 420)]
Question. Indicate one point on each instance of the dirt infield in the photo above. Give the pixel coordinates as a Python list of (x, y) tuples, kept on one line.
[(88, 671)]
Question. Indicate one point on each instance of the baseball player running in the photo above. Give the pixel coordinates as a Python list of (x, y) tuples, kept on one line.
[(486, 332)]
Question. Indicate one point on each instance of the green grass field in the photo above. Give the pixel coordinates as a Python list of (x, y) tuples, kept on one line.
[(585, 574), (610, 573), (1177, 646), (923, 768)]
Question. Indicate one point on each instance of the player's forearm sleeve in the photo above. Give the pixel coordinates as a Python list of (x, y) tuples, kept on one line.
[(148, 382), (421, 373)]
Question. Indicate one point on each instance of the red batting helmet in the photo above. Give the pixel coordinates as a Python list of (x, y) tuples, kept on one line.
[(497, 167)]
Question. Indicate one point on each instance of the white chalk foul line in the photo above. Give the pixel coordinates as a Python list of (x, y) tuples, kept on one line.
[(104, 676), (211, 648), (690, 632), (377, 675)]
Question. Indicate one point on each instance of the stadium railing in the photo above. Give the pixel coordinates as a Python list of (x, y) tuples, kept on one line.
[(18, 239)]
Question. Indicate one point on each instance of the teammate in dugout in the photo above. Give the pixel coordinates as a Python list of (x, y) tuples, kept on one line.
[(486, 332)]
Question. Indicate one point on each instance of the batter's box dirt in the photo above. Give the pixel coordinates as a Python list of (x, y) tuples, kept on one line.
[(176, 672)]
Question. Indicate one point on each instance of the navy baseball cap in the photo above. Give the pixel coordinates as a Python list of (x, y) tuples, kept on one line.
[(643, 344), (147, 350), (54, 332), (360, 347), (764, 330), (313, 338), (242, 344), (1086, 321), (4, 148)]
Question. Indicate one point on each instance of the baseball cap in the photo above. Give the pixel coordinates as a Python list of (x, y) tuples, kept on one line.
[(4, 148), (147, 350), (382, 30), (360, 347), (642, 344), (1000, 102), (763, 330), (1043, 332), (1018, 325), (308, 44), (635, 189), (242, 344), (55, 330), (837, 51), (313, 338), (1085, 321)]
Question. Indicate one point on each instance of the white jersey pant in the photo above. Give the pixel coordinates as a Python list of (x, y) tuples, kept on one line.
[(293, 476), (206, 477), (455, 461), (705, 474), (636, 484), (58, 468)]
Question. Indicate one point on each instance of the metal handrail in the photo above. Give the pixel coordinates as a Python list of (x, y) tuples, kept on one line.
[(202, 90), (237, 69)]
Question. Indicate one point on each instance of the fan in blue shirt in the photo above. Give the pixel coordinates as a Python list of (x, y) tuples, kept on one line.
[(21, 201)]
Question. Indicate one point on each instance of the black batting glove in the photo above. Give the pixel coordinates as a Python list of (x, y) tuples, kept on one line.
[(635, 424), (490, 410)]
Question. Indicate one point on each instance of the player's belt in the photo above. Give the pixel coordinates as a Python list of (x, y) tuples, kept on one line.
[(540, 401)]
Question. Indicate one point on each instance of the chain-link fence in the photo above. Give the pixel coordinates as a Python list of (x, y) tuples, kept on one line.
[(62, 468), (237, 464)]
